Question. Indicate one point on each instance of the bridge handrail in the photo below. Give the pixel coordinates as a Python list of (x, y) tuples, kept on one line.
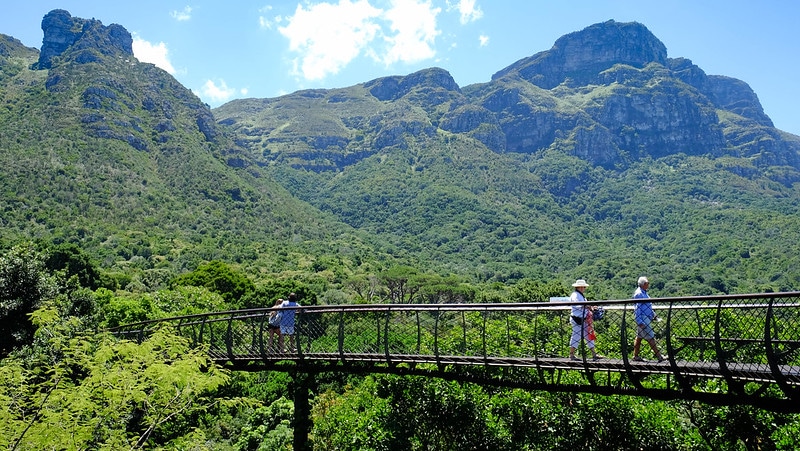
[(682, 302), (739, 340)]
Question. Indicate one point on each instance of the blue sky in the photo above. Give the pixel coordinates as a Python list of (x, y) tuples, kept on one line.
[(267, 48)]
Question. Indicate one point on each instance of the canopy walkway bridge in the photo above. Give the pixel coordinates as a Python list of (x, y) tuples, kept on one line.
[(724, 350)]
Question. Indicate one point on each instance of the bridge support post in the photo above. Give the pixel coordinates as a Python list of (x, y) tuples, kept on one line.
[(302, 410)]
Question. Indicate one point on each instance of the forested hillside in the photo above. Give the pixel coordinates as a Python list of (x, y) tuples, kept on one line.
[(599, 158), (116, 157), (125, 198)]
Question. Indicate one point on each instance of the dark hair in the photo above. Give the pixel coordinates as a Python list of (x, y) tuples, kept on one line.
[(292, 297)]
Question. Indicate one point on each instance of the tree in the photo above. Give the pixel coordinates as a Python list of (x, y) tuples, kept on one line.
[(527, 290), (366, 287), (267, 293), (73, 261), (402, 284), (219, 278), (24, 285), (97, 392)]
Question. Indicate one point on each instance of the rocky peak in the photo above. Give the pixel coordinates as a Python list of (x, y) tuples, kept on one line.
[(578, 57), (393, 88), (87, 37)]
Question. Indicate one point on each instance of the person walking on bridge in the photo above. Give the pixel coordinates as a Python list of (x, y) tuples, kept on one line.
[(644, 314), (581, 321)]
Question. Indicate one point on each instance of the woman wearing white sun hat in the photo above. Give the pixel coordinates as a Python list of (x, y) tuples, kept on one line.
[(581, 321)]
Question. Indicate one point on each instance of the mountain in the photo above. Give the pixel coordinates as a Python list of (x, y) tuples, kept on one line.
[(607, 94), (116, 156), (600, 158)]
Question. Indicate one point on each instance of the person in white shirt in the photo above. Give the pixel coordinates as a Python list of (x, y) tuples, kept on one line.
[(581, 321)]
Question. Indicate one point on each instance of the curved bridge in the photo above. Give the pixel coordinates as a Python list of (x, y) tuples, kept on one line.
[(736, 349)]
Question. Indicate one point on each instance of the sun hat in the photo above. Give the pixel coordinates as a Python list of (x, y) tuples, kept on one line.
[(580, 283)]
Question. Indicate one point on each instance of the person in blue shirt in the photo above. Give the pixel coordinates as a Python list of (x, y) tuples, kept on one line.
[(288, 311), (644, 315), (581, 321)]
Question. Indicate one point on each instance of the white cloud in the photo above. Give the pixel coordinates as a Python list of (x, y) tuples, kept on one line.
[(329, 36), (484, 40), (468, 10), (414, 25), (148, 52), (182, 16), (216, 93), (266, 22)]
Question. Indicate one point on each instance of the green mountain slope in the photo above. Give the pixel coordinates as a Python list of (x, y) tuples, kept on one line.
[(116, 156), (565, 165), (603, 165)]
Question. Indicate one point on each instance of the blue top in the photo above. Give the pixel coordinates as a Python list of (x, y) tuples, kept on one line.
[(287, 314), (643, 311)]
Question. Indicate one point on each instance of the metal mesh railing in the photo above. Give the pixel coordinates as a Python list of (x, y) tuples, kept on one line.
[(744, 345)]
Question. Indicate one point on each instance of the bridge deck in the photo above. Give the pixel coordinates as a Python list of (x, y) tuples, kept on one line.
[(738, 372)]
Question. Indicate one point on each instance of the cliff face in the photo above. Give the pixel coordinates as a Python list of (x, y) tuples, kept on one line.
[(607, 94), (580, 58), (87, 38)]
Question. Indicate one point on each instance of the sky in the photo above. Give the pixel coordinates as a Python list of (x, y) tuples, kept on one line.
[(225, 50)]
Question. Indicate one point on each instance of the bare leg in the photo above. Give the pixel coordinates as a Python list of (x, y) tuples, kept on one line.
[(654, 347)]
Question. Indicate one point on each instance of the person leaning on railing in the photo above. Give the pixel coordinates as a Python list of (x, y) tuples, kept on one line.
[(581, 321), (644, 314), (287, 321), (274, 325)]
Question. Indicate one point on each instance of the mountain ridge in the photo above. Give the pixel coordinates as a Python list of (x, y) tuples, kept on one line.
[(610, 83), (625, 173)]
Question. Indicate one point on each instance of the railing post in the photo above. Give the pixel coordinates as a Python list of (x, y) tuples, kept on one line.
[(483, 337), (436, 338), (463, 333), (721, 358), (772, 358), (386, 336), (341, 335), (264, 320), (301, 323), (229, 338), (419, 332)]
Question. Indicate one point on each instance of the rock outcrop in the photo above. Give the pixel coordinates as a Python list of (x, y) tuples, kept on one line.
[(579, 57), (88, 38)]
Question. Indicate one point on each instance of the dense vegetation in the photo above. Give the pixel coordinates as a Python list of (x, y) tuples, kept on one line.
[(123, 200), (66, 383)]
